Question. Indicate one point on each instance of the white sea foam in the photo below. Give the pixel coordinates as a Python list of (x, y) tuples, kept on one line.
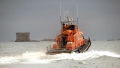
[(41, 57)]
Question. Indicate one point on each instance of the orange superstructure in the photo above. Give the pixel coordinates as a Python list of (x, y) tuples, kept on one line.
[(70, 39)]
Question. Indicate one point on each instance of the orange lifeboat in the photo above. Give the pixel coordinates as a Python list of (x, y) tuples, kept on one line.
[(70, 39)]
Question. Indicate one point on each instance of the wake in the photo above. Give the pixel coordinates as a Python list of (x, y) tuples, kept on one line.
[(41, 57)]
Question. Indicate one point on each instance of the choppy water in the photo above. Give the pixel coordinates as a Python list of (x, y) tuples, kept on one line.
[(105, 54)]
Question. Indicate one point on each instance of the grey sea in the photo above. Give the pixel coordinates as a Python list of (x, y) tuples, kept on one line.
[(101, 54)]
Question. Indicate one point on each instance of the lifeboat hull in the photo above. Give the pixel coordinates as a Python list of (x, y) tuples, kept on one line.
[(81, 49)]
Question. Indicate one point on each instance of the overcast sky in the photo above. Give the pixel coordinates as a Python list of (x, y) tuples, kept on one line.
[(99, 19)]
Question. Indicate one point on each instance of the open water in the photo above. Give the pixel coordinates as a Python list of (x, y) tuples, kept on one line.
[(101, 54)]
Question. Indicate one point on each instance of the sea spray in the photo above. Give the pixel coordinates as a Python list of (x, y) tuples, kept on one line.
[(42, 58), (87, 55)]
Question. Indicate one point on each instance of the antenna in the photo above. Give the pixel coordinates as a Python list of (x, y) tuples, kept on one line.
[(60, 11), (73, 13), (77, 14), (64, 13)]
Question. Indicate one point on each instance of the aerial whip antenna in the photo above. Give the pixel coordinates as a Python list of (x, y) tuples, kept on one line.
[(77, 14), (64, 13), (73, 13), (60, 12)]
